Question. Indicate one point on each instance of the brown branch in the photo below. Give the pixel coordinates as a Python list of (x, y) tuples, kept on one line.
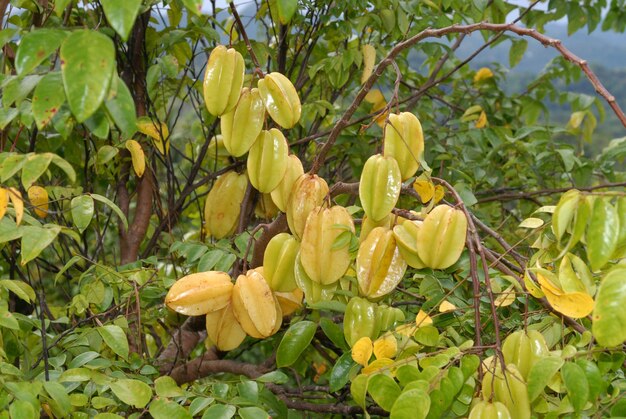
[(209, 364), (510, 196), (183, 341), (244, 35), (279, 225), (463, 29)]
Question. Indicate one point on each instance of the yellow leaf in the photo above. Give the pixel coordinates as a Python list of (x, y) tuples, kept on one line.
[(362, 351), (532, 288), (379, 364), (446, 306), (157, 131), (482, 74), (369, 59), (423, 319), (425, 189), (572, 304), (385, 347), (4, 201), (374, 97), (138, 157), (546, 284), (406, 329), (439, 193), (38, 198), (481, 122), (506, 298), (18, 204)]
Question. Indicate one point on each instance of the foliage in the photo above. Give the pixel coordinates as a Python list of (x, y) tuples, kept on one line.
[(108, 154)]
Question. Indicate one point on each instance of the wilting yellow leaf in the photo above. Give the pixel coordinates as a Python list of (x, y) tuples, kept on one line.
[(159, 133), (385, 347), (137, 156), (532, 288), (482, 74), (38, 198), (362, 351), (369, 59), (446, 306), (18, 204), (481, 122), (506, 298), (377, 365), (439, 193), (425, 189), (572, 304), (423, 319), (4, 201), (546, 284), (374, 97), (406, 329)]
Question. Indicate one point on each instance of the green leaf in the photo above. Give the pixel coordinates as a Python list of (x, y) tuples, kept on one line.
[(253, 413), (23, 410), (19, 288), (115, 338), (219, 411), (286, 10), (411, 404), (277, 377), (165, 386), (358, 389), (121, 15), (194, 6), (167, 409), (48, 97), (602, 233), (111, 205), (121, 108), (576, 383), (17, 89), (65, 166), (469, 365), (384, 390), (340, 374), (199, 404), (59, 395), (564, 212), (35, 240), (82, 208), (296, 339), (6, 35), (34, 166), (594, 378), (7, 115), (8, 320), (609, 316), (35, 47), (334, 332), (407, 374), (427, 335), (540, 375), (98, 124), (516, 53), (87, 65), (132, 392)]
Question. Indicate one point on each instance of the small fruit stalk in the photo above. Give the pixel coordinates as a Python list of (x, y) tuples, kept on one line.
[(323, 258), (223, 204), (223, 80), (380, 185), (404, 141), (281, 99)]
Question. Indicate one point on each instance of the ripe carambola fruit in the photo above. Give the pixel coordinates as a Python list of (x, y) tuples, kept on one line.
[(200, 293), (223, 204), (281, 194), (406, 237), (379, 265), (485, 410), (223, 329), (254, 305), (223, 80), (360, 320), (524, 349), (307, 193), (380, 186), (404, 141), (241, 126), (441, 238), (281, 99), (322, 258), (267, 160), (279, 261), (289, 301)]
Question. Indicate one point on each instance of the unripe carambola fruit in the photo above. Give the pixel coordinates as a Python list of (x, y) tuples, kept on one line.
[(485, 410), (267, 160), (241, 126), (314, 292), (524, 349), (281, 99), (223, 204), (307, 193), (360, 320), (216, 155), (368, 225), (200, 293), (404, 141), (281, 194), (406, 237), (379, 265), (254, 305), (441, 238), (265, 207), (510, 390), (380, 185), (279, 262), (324, 261), (223, 329), (223, 80)]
